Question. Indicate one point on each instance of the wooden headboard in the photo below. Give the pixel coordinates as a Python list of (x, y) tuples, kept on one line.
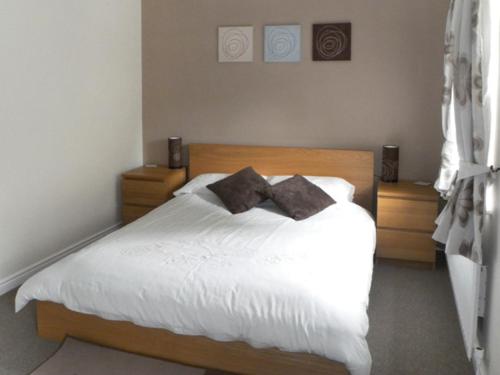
[(353, 166)]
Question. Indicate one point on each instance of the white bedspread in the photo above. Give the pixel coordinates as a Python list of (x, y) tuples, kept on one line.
[(193, 268)]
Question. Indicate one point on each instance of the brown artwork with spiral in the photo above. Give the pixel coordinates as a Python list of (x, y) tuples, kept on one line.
[(332, 42)]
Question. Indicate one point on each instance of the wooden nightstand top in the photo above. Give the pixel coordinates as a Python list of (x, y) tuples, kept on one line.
[(160, 173), (407, 190)]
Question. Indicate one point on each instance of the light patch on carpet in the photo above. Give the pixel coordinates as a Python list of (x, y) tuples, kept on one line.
[(76, 357)]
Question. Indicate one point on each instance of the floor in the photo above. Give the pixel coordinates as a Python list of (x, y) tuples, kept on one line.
[(414, 328)]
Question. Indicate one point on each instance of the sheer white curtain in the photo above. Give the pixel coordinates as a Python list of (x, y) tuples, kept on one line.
[(466, 125)]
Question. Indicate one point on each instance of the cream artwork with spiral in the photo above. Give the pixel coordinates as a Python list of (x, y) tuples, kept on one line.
[(236, 44)]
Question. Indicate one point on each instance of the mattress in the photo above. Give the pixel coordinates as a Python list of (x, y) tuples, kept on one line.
[(193, 268)]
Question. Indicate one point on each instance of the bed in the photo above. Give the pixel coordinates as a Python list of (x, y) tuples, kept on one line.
[(255, 293)]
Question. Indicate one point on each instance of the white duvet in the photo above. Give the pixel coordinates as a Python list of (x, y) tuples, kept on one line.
[(193, 268)]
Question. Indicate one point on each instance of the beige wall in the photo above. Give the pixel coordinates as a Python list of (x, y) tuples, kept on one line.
[(70, 123), (389, 92)]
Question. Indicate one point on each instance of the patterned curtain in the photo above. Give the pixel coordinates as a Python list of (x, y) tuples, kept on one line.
[(464, 171)]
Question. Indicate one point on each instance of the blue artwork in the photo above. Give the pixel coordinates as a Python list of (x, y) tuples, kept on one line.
[(282, 43)]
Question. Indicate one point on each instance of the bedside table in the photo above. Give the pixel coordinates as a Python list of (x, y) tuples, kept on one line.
[(405, 222), (146, 188)]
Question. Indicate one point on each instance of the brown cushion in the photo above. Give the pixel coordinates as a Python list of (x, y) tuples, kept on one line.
[(299, 198), (241, 191)]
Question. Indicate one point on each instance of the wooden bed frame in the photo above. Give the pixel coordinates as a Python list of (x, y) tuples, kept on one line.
[(55, 321)]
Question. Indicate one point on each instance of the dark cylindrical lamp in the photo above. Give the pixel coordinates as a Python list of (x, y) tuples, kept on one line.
[(175, 152), (390, 163)]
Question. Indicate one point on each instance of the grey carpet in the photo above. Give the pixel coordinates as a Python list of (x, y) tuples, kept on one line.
[(413, 327), (21, 350), (79, 358), (76, 357)]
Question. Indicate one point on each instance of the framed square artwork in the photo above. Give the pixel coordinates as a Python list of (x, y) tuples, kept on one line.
[(332, 42), (235, 44), (282, 43)]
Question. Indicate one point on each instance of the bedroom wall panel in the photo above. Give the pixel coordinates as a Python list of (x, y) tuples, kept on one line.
[(70, 123), (389, 93), (490, 331)]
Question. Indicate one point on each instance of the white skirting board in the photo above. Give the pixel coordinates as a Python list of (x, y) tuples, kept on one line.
[(13, 281)]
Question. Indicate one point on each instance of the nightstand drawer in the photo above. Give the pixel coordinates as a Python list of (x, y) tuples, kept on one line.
[(396, 244), (406, 214), (132, 213), (145, 193)]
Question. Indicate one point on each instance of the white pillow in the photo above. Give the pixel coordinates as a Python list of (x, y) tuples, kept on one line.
[(199, 183), (336, 187)]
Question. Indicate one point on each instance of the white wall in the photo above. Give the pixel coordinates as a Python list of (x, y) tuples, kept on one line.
[(492, 260), (70, 121), (492, 318), (491, 330)]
